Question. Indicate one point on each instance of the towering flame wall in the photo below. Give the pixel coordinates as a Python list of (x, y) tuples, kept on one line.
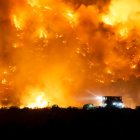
[(65, 51)]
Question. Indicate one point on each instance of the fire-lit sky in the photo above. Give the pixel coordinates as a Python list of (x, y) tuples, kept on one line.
[(66, 52)]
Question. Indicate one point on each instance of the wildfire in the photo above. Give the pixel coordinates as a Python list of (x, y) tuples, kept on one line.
[(16, 22), (72, 17), (33, 2), (39, 103), (123, 33), (36, 99), (59, 49), (42, 33)]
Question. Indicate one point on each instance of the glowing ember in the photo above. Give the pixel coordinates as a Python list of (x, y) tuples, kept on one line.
[(4, 81), (33, 2)]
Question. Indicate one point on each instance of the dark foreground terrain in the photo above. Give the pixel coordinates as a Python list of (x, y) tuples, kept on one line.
[(69, 123)]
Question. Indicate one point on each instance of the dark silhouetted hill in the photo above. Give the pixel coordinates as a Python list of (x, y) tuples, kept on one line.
[(69, 121)]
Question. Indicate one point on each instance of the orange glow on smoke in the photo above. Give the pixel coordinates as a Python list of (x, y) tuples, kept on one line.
[(52, 52)]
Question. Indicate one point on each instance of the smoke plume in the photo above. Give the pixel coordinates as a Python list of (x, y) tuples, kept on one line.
[(53, 52)]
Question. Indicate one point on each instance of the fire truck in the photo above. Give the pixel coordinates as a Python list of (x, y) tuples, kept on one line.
[(112, 102)]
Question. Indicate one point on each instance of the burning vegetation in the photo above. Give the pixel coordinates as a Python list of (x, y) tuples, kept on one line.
[(59, 51)]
